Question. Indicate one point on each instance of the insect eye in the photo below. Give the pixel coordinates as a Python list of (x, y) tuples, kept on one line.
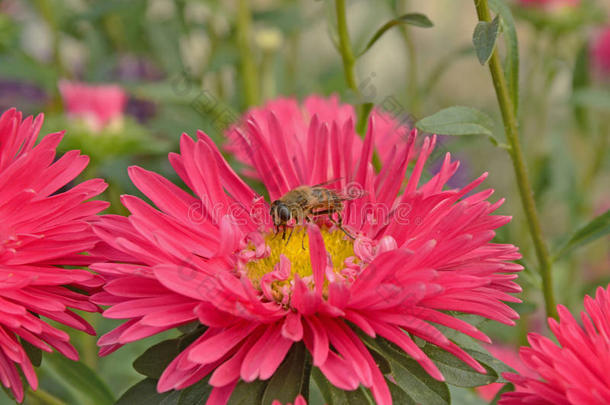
[(284, 213)]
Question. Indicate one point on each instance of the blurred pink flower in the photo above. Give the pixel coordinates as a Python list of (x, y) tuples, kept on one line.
[(575, 371), (508, 356), (97, 105), (549, 4), (600, 53), (41, 229), (213, 257), (296, 120)]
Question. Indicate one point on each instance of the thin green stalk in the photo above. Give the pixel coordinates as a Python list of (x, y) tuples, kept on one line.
[(349, 66), (525, 189), (43, 397), (345, 47), (249, 75)]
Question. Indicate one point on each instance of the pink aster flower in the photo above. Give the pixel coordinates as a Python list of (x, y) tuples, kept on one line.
[(575, 371), (97, 105), (296, 120), (600, 53), (509, 356), (41, 230), (212, 256), (550, 5)]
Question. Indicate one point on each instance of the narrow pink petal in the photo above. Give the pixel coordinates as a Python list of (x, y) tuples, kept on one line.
[(318, 255), (320, 341), (339, 372), (221, 395), (266, 355), (292, 328), (229, 370), (215, 347)]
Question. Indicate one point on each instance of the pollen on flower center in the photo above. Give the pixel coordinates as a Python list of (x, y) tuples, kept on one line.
[(296, 250)]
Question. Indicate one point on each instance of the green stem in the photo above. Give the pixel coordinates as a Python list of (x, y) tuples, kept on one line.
[(525, 189), (249, 74), (44, 397), (345, 47), (349, 66)]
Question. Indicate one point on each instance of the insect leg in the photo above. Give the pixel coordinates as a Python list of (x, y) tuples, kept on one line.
[(307, 219), (290, 236), (339, 223)]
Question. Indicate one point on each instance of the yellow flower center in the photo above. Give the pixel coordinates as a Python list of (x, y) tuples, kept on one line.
[(296, 250)]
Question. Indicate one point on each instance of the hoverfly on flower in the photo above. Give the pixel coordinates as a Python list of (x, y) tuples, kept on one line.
[(305, 203)]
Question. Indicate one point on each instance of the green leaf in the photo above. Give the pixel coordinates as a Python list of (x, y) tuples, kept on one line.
[(171, 399), (455, 371), (79, 380), (189, 327), (465, 396), (399, 396), (458, 120), (382, 363), (144, 393), (511, 60), (248, 393), (474, 348), (196, 394), (484, 38), (334, 396), (598, 227), (291, 378), (33, 352), (490, 362), (188, 338), (409, 375), (156, 358), (592, 98), (523, 308), (415, 19)]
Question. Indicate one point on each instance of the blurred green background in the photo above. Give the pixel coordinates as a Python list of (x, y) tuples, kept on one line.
[(182, 65)]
